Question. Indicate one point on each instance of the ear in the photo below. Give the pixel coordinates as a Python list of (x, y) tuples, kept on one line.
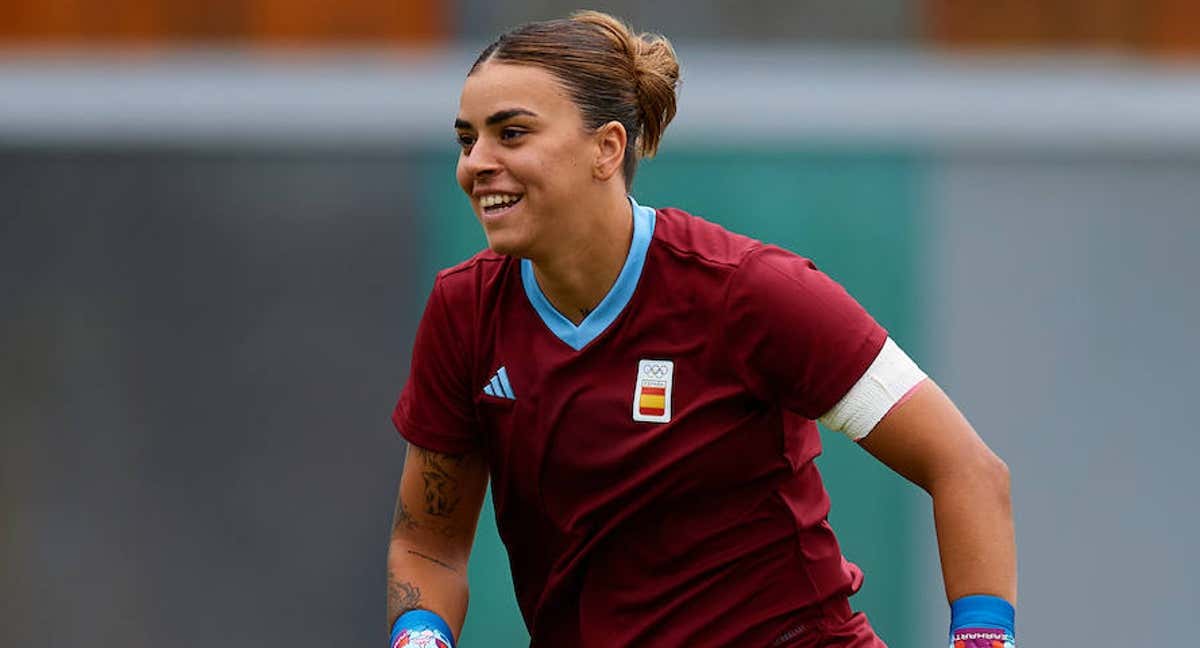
[(611, 141)]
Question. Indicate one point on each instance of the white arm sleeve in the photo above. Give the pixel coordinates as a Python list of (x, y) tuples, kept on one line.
[(886, 382)]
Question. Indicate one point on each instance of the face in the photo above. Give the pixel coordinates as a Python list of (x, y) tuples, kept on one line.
[(526, 156)]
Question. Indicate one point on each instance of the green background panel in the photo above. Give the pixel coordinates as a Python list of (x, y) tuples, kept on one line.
[(857, 216)]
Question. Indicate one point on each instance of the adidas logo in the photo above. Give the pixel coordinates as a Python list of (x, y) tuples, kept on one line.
[(499, 386)]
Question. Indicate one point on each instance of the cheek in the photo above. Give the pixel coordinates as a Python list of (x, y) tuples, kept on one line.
[(463, 177), (565, 166)]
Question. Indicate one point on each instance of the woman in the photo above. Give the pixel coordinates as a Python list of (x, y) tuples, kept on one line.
[(641, 388)]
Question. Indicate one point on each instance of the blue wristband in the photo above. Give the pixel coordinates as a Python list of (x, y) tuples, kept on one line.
[(982, 611), (421, 629)]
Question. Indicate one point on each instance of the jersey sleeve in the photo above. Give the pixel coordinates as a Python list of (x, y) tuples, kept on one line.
[(435, 409), (796, 337)]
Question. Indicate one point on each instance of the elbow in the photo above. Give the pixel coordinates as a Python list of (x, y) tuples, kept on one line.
[(993, 478), (985, 475), (1002, 474), (1002, 480)]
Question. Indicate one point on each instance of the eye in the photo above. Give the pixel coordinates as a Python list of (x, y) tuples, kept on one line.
[(510, 133), (465, 140)]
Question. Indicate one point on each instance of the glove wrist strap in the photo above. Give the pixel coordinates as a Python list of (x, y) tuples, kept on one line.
[(982, 621), (421, 629)]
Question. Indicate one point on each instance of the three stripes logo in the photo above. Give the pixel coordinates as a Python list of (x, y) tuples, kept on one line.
[(499, 386), (652, 396)]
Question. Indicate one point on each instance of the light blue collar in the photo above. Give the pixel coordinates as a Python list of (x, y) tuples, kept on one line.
[(613, 303)]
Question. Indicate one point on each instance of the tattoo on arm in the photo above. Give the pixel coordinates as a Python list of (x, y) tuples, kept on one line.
[(442, 487), (402, 519), (402, 597), (433, 560)]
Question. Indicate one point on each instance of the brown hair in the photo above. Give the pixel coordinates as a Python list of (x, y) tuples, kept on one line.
[(610, 72)]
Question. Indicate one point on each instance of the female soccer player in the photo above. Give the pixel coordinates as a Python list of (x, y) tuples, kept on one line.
[(641, 386)]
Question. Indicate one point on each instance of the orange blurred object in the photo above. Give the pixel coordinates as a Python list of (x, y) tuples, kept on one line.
[(1161, 27), (239, 22), (1175, 28)]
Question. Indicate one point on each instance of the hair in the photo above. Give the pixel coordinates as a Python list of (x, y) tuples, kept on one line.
[(610, 72)]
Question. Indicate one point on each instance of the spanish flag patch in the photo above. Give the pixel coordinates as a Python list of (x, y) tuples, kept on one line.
[(652, 396)]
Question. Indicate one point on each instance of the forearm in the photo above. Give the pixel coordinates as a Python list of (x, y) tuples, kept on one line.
[(419, 579), (928, 441), (433, 527), (972, 511)]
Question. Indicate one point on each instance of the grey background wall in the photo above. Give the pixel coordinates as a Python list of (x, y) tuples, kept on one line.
[(199, 350), (1068, 294)]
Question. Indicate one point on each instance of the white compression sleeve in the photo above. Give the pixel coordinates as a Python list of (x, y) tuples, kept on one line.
[(886, 382)]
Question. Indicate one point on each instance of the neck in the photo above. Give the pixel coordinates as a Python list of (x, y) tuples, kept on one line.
[(581, 271)]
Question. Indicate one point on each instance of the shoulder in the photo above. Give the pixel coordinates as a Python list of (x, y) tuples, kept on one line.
[(456, 304), (695, 239), (466, 281)]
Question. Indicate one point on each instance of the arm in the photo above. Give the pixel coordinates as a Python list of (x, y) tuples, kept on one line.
[(437, 509), (929, 442), (798, 339)]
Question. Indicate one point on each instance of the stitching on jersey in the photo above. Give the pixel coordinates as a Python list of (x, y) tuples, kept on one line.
[(470, 264), (722, 322), (735, 264)]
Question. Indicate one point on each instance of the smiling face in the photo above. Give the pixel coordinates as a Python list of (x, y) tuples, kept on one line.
[(526, 156)]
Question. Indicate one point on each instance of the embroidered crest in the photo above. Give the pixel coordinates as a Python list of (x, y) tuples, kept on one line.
[(652, 395)]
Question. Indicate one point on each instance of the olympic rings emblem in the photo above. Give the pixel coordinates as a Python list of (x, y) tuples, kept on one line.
[(655, 370)]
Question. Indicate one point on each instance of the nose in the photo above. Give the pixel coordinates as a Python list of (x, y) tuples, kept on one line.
[(481, 160)]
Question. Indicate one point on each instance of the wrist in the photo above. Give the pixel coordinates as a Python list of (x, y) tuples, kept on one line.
[(421, 629), (982, 620)]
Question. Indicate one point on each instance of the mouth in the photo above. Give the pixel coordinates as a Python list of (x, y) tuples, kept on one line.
[(496, 205)]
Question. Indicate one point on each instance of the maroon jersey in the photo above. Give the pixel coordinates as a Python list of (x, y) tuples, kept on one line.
[(652, 468)]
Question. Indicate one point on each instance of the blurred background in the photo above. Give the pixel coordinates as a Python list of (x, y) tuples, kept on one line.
[(220, 220)]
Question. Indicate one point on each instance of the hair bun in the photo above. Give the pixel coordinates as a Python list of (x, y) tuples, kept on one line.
[(656, 75)]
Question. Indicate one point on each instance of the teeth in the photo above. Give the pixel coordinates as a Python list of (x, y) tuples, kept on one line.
[(492, 200)]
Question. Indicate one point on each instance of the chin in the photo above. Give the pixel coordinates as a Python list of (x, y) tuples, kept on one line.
[(506, 245)]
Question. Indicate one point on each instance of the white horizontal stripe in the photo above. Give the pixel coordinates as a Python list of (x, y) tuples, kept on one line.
[(755, 95)]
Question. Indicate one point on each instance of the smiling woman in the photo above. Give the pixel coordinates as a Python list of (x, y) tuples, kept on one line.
[(642, 388), (553, 119)]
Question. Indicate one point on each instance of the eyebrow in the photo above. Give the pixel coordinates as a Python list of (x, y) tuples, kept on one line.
[(497, 117)]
